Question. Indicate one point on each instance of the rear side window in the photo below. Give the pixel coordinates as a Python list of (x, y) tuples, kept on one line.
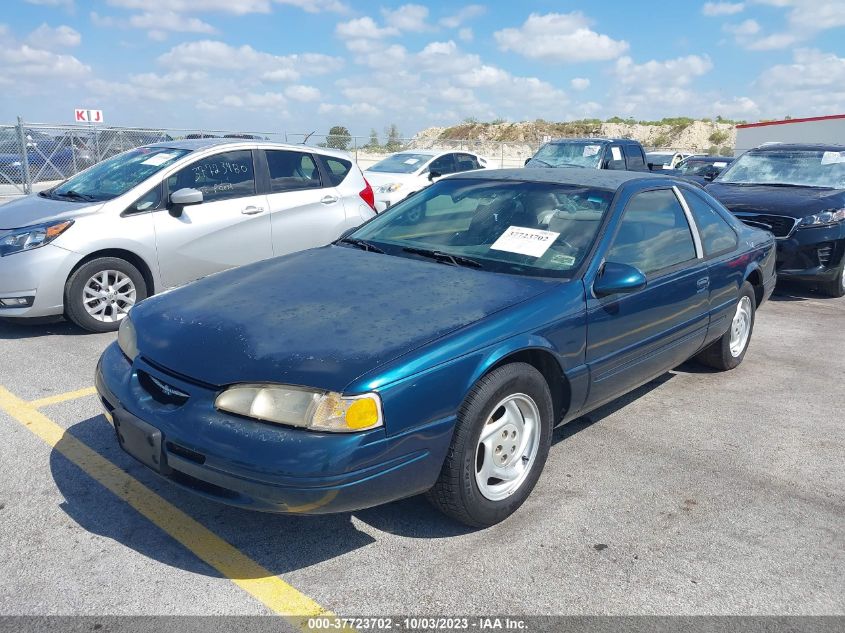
[(337, 168), (222, 176), (443, 165), (467, 162), (717, 236), (633, 156), (614, 158), (654, 233), (290, 171)]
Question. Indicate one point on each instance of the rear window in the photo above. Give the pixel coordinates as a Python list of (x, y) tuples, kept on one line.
[(337, 168)]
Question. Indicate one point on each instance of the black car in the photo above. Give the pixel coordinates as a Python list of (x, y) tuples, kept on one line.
[(796, 191), (701, 169), (593, 153)]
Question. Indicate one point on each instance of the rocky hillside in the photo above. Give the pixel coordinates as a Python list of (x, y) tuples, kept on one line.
[(699, 136)]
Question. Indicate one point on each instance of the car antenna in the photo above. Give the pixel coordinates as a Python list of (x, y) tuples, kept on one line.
[(307, 136)]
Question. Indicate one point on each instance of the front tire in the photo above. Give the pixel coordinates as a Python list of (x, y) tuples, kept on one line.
[(499, 447), (100, 293), (728, 351), (836, 287)]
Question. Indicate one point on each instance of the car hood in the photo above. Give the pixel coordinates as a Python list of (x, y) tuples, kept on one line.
[(318, 318), (796, 202), (34, 209)]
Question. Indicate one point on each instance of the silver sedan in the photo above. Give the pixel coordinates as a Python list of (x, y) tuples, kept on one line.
[(166, 214)]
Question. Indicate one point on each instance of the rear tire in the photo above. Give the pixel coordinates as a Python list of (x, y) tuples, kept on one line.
[(728, 351), (100, 293), (836, 288), (504, 427)]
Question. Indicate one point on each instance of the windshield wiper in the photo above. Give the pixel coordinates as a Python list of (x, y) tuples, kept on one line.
[(446, 258), (362, 244), (537, 160), (70, 193)]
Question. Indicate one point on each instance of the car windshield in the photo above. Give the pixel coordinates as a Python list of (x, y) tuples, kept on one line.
[(403, 163), (659, 159), (523, 228), (692, 167), (570, 154), (802, 168), (116, 176)]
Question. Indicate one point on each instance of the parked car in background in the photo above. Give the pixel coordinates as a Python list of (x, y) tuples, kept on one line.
[(593, 153), (49, 157), (701, 169), (162, 215), (664, 160), (399, 175), (434, 348), (796, 191)]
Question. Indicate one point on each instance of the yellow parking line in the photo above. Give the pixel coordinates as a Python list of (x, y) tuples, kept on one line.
[(233, 564), (62, 397)]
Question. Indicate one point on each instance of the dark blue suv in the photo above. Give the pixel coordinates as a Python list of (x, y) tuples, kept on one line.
[(796, 191)]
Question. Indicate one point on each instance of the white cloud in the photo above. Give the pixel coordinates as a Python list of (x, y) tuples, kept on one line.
[(737, 108), (254, 101), (317, 6), (212, 54), (408, 17), (804, 19), (50, 38), (772, 42), (349, 109), (363, 28), (170, 21), (560, 37), (236, 7), (26, 66), (712, 9), (742, 29), (465, 34), (814, 83), (654, 86), (467, 13), (580, 83), (302, 93)]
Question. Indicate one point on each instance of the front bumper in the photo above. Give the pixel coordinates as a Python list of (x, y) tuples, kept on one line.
[(40, 274), (812, 254), (260, 466)]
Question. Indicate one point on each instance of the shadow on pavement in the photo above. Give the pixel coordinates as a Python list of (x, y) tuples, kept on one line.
[(33, 328)]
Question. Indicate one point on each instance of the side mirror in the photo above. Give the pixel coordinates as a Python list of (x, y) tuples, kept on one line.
[(434, 174), (710, 175), (650, 166), (182, 198), (618, 278), (527, 160)]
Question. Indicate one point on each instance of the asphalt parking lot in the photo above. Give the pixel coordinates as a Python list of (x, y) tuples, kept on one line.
[(700, 493)]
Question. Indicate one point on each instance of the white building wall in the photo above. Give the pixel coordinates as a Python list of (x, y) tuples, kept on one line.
[(829, 130)]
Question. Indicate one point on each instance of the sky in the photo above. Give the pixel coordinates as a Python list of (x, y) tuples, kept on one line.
[(305, 65)]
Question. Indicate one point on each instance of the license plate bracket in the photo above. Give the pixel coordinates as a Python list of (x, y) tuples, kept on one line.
[(141, 440)]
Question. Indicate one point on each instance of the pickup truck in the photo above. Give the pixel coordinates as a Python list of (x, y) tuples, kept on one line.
[(595, 153)]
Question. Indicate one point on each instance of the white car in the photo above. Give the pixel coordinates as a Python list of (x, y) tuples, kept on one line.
[(162, 215), (401, 174), (665, 160)]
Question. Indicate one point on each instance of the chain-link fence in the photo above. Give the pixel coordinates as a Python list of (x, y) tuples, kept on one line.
[(34, 156)]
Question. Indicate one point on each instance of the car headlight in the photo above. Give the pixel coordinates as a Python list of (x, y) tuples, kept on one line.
[(389, 188), (30, 237), (302, 407), (127, 340), (823, 218)]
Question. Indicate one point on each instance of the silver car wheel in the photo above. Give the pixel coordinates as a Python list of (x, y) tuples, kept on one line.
[(741, 327), (108, 295), (507, 447)]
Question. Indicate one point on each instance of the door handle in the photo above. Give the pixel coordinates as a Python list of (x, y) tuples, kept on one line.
[(329, 199), (252, 210), (703, 283)]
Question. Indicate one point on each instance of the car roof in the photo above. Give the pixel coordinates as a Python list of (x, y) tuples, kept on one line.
[(590, 139), (711, 159), (810, 147), (599, 178), (204, 143)]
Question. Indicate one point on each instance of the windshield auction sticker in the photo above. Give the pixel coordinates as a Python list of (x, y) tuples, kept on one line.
[(518, 239)]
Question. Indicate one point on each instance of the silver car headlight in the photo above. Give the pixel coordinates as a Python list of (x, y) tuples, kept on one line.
[(389, 188), (127, 340), (302, 407), (824, 218), (30, 237)]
